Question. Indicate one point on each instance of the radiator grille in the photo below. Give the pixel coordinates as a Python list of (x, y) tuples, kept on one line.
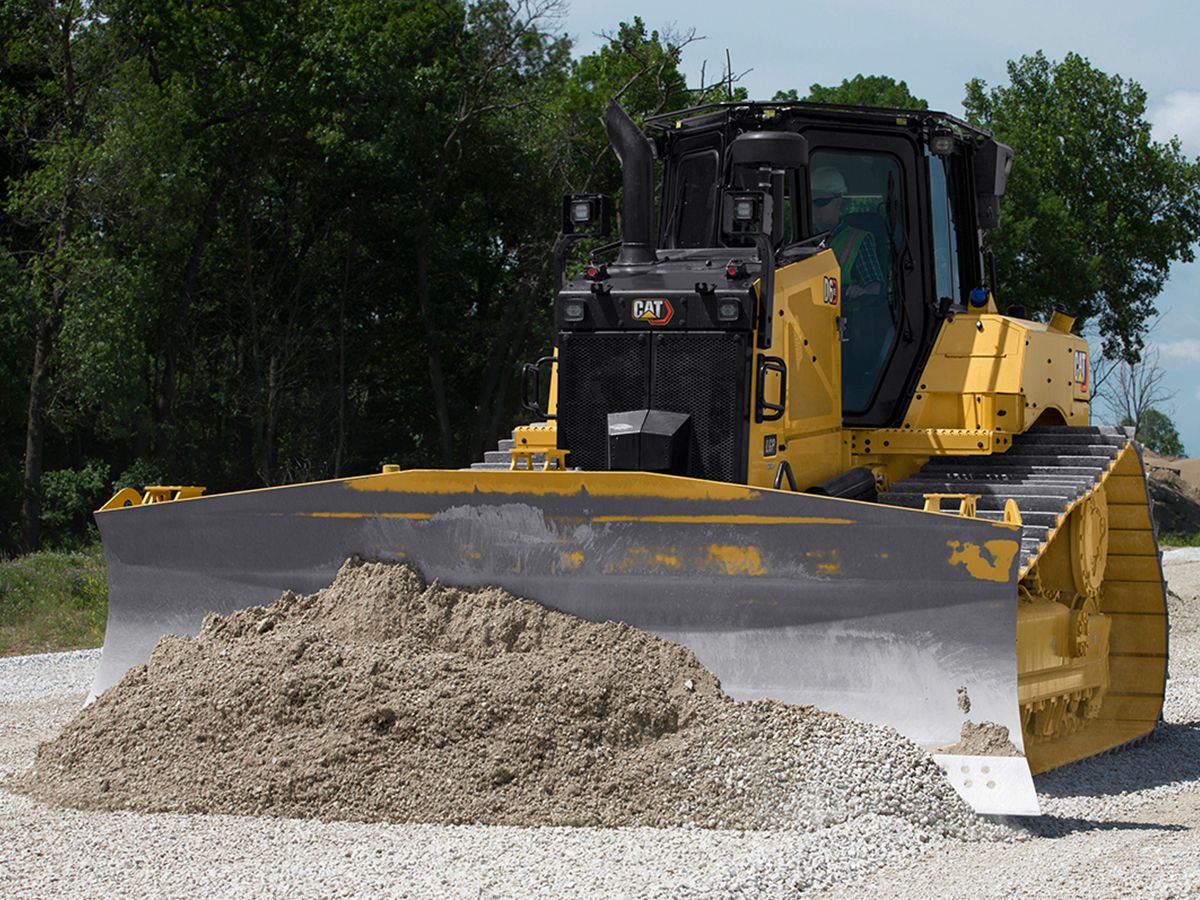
[(699, 373), (598, 373), (704, 374)]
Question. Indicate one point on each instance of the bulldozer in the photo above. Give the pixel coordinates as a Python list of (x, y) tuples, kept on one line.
[(784, 423)]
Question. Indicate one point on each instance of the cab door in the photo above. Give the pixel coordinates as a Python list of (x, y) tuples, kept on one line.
[(878, 238)]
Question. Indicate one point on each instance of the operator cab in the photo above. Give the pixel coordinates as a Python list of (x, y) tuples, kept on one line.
[(902, 196), (672, 323)]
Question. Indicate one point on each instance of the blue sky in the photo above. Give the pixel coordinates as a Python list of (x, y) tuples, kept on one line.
[(937, 47)]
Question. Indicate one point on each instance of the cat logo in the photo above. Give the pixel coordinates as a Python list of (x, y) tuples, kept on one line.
[(652, 312), (831, 291)]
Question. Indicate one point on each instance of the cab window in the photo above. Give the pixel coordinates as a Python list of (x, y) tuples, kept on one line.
[(945, 233), (697, 199), (857, 198)]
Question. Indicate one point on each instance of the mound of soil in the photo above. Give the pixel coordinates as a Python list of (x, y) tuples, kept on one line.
[(382, 698), (1176, 501), (983, 739)]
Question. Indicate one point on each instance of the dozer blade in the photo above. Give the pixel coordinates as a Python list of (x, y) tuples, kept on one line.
[(883, 614)]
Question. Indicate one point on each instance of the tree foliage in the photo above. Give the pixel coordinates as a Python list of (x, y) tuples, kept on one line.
[(248, 244), (1096, 209), (1158, 432), (861, 90)]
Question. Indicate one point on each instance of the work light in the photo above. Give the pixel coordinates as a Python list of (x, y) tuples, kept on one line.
[(746, 213), (586, 214)]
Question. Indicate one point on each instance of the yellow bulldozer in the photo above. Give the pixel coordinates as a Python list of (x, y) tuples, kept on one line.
[(785, 424)]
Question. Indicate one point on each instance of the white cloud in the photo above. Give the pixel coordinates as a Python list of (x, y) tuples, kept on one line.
[(1184, 350), (1179, 115)]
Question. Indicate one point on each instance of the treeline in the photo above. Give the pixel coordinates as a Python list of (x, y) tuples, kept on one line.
[(248, 244)]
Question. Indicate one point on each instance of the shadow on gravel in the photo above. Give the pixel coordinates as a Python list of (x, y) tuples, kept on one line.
[(1169, 755), (1053, 826)]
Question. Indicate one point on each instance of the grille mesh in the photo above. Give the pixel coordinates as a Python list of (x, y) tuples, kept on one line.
[(699, 373), (703, 374), (598, 373)]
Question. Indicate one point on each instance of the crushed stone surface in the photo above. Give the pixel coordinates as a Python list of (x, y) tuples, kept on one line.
[(1124, 823), (382, 698)]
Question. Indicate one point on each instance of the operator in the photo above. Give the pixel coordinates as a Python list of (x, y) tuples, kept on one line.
[(853, 247)]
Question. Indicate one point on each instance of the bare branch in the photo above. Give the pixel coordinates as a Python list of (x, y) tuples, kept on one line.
[(1139, 388)]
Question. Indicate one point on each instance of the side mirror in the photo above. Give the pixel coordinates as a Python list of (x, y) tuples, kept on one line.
[(746, 214), (993, 163), (587, 215)]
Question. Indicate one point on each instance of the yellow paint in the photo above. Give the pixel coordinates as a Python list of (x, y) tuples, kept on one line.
[(123, 498), (966, 503), (570, 560), (966, 553), (832, 567), (989, 377), (530, 440), (641, 559), (734, 560), (805, 336), (559, 484), (155, 493)]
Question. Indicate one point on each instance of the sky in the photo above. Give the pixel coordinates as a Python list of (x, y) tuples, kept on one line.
[(937, 47)]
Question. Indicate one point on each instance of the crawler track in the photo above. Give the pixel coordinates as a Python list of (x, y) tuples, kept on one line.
[(1112, 693), (1046, 471)]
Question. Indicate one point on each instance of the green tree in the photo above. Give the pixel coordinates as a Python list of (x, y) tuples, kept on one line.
[(249, 244), (861, 90), (346, 208), (1096, 210), (68, 498), (54, 68), (1158, 432)]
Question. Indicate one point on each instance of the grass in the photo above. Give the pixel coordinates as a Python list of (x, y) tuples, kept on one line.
[(53, 600), (1179, 540)]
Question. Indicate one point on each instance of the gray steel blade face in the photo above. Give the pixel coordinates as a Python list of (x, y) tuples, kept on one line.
[(862, 613)]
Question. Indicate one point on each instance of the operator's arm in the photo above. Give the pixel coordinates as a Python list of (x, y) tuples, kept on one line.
[(858, 290), (867, 278)]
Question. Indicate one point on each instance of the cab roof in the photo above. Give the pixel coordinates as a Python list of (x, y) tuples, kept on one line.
[(747, 111)]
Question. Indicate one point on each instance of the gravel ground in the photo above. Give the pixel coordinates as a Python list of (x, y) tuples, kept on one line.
[(1123, 823)]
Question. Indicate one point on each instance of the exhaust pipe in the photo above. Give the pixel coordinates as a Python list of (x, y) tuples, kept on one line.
[(637, 176)]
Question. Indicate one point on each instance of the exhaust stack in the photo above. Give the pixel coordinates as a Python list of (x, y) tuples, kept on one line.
[(637, 176)]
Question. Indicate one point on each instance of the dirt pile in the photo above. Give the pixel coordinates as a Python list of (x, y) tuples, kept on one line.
[(1175, 492), (383, 698), (983, 739)]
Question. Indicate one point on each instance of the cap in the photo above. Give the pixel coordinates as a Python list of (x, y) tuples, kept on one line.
[(828, 182)]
